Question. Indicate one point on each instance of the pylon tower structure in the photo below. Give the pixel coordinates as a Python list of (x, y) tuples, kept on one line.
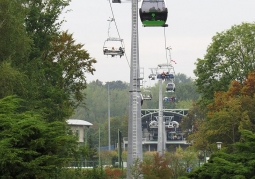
[(134, 122), (164, 72)]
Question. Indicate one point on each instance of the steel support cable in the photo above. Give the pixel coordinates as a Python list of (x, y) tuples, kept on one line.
[(165, 46), (110, 21), (122, 44)]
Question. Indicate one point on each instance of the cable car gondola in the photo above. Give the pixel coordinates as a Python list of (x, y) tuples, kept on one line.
[(153, 13), (147, 95), (169, 99), (170, 87), (113, 47), (116, 1)]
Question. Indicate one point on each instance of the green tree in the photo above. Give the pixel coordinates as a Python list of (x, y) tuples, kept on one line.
[(180, 160), (229, 57), (31, 147), (116, 85), (14, 46), (239, 165), (11, 80), (42, 23), (14, 42), (115, 123), (56, 66)]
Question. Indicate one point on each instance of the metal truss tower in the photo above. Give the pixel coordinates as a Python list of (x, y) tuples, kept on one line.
[(156, 73), (161, 127), (134, 124)]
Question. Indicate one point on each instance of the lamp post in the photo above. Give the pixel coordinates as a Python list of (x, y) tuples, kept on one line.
[(219, 145)]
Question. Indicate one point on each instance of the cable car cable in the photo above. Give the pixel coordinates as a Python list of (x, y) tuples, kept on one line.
[(122, 44), (165, 45)]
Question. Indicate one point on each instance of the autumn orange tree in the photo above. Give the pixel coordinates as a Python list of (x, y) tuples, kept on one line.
[(230, 111), (156, 168)]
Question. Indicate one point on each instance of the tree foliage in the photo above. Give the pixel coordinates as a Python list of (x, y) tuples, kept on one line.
[(230, 112), (116, 123), (45, 68), (14, 42), (180, 160), (157, 168), (229, 57), (31, 147), (46, 64), (11, 80), (67, 64), (234, 165)]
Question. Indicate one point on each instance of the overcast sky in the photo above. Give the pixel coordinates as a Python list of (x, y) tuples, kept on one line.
[(191, 26)]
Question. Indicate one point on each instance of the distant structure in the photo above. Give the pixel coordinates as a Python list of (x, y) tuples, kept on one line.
[(77, 126), (172, 133)]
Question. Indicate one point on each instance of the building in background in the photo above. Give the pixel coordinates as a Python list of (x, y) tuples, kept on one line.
[(79, 128)]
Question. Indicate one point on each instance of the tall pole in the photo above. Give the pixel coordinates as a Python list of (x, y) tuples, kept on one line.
[(99, 144), (134, 123), (160, 121), (109, 121), (119, 149)]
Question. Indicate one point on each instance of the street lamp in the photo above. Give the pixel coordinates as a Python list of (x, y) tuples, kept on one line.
[(219, 145)]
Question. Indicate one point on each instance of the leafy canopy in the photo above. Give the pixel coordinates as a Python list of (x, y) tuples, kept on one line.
[(30, 147), (229, 57)]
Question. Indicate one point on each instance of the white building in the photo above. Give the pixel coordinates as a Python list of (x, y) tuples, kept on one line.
[(78, 127)]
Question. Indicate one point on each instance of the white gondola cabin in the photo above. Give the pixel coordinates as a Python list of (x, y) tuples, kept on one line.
[(113, 47), (147, 95), (170, 87), (172, 124)]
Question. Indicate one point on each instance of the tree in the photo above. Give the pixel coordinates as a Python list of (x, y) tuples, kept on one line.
[(67, 64), (226, 115), (11, 80), (231, 165), (14, 42), (156, 168), (229, 57), (56, 66), (31, 147), (223, 124), (14, 45), (116, 85), (181, 160), (42, 23), (192, 121), (115, 123)]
